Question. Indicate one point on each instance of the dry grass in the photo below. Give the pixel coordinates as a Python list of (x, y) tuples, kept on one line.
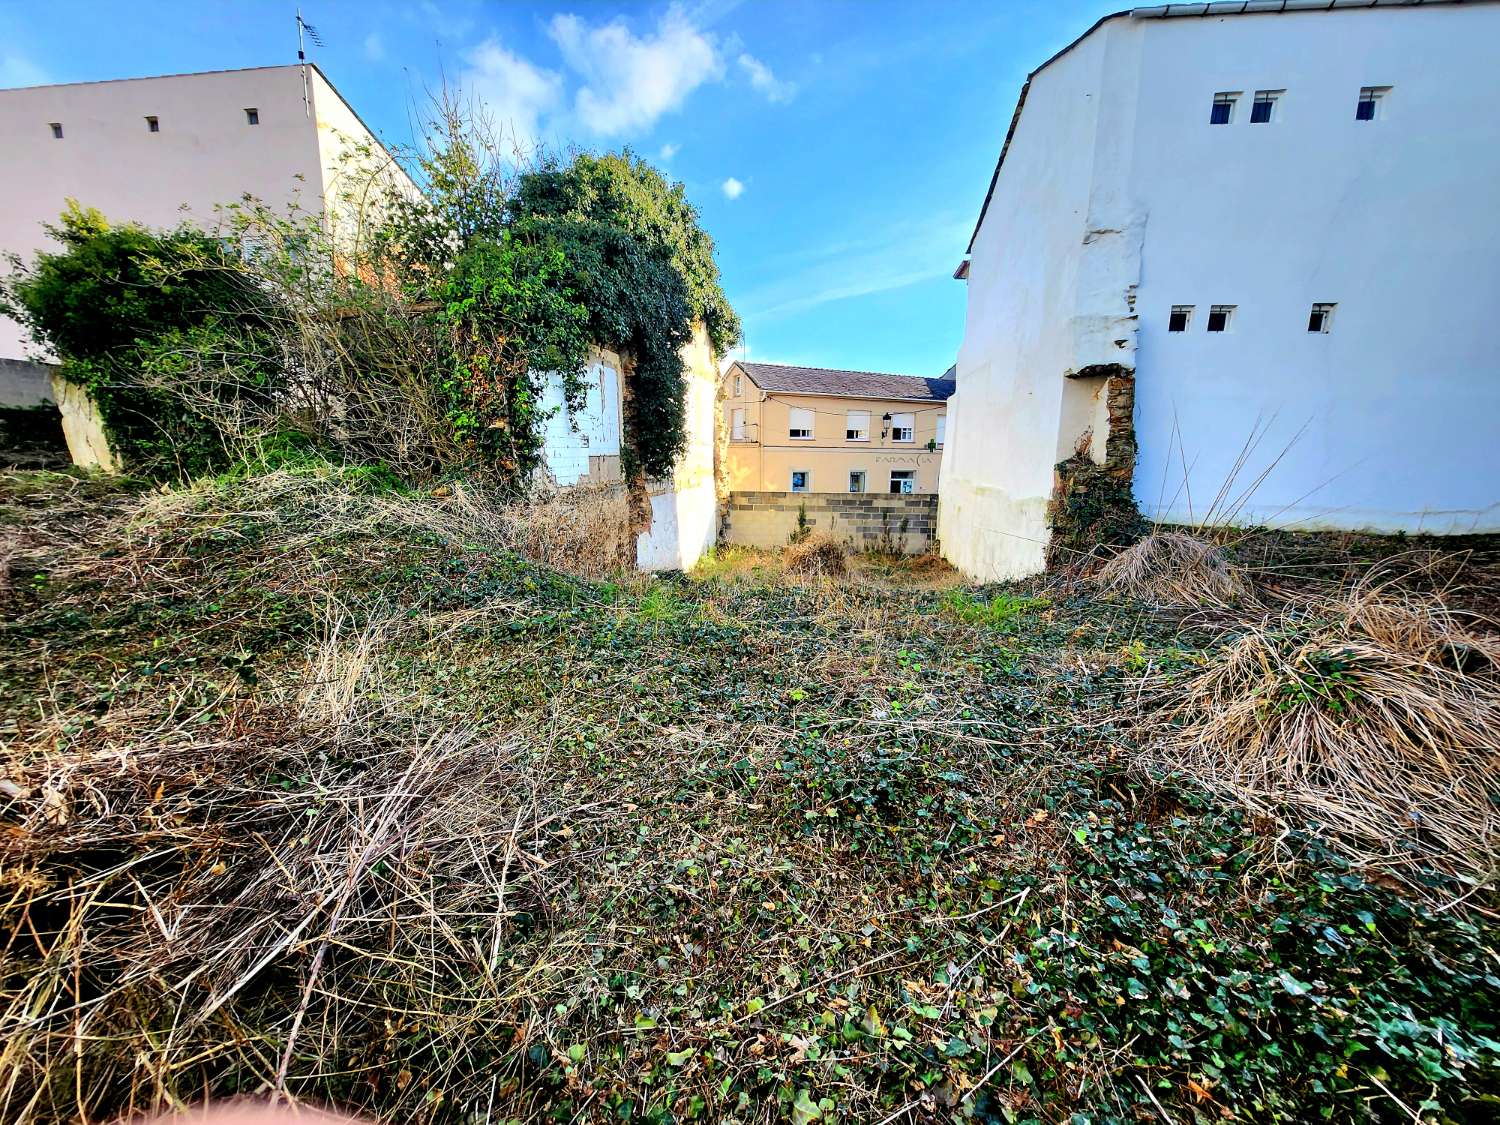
[(819, 555), (1173, 568), (1375, 712), (323, 827)]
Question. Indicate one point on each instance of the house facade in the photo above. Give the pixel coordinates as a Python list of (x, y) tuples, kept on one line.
[(1244, 250), (164, 150), (814, 429)]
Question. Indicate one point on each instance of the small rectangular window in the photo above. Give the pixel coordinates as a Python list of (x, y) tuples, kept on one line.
[(1321, 317), (942, 428), (856, 480), (1371, 103), (903, 481), (737, 426), (739, 386), (1182, 316), (252, 117), (857, 425), (903, 427), (1263, 109), (1219, 317), (153, 125), (801, 480), (801, 426), (1222, 112), (57, 131)]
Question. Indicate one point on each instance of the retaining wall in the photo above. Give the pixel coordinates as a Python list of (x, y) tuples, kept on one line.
[(865, 520)]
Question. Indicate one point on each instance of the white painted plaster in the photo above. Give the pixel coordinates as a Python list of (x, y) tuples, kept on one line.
[(570, 439), (1389, 422)]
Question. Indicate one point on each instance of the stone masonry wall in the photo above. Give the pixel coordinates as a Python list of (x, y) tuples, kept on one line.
[(865, 521)]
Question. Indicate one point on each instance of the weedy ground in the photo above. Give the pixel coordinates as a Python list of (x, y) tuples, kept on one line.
[(317, 789)]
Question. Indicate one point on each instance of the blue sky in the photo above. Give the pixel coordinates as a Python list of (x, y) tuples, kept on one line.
[(838, 151)]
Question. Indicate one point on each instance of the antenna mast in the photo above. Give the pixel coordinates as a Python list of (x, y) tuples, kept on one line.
[(312, 33)]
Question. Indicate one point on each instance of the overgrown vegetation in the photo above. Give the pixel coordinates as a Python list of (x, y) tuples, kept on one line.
[(314, 785), (417, 330)]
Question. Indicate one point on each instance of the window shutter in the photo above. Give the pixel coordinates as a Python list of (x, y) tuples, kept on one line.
[(801, 422), (737, 432)]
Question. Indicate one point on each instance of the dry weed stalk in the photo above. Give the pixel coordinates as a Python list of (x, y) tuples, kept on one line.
[(1174, 568), (1375, 712), (819, 555), (192, 895)]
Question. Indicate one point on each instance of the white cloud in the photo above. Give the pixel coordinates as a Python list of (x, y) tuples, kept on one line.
[(518, 94), (374, 47), (18, 70), (764, 81), (630, 81), (733, 189), (669, 150)]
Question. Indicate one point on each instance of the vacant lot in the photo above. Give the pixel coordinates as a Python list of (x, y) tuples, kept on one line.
[(313, 787)]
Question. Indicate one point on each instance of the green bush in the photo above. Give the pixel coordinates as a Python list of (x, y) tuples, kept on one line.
[(123, 307)]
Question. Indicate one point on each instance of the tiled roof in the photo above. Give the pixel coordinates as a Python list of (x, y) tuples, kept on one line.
[(846, 384)]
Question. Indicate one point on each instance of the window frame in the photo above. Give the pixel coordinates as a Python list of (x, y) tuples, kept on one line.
[(153, 123), (850, 429), (1377, 96), (57, 130), (903, 477), (864, 481), (940, 430), (737, 424), (795, 432), (1229, 99), (805, 474), (910, 428), (252, 115), (1321, 314), (1225, 311), (1271, 99), (1186, 312), (739, 386)]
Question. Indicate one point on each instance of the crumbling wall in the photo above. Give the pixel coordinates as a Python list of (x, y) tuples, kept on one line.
[(1092, 499)]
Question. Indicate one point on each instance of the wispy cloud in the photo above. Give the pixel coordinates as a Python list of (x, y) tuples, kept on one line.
[(732, 188), (669, 150), (517, 93), (374, 47), (18, 70), (764, 81), (903, 254), (629, 81)]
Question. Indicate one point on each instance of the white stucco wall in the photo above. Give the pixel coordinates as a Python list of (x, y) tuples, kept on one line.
[(569, 439), (1395, 220), (1003, 420), (685, 510), (205, 154), (1115, 185)]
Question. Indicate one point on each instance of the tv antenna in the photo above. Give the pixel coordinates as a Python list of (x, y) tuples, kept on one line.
[(306, 30)]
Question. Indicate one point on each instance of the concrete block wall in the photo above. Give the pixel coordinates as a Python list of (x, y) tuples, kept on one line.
[(865, 521)]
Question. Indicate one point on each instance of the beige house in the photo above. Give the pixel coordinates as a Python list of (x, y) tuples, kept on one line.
[(813, 429)]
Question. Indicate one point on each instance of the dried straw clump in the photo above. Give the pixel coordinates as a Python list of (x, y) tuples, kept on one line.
[(819, 555), (1375, 713), (318, 883), (1174, 568)]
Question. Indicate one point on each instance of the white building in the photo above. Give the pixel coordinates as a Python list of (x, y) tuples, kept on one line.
[(1280, 219), (163, 150)]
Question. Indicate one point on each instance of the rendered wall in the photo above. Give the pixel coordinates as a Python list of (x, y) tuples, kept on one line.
[(1391, 421), (1117, 200), (584, 446), (685, 510), (1019, 337), (205, 153)]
